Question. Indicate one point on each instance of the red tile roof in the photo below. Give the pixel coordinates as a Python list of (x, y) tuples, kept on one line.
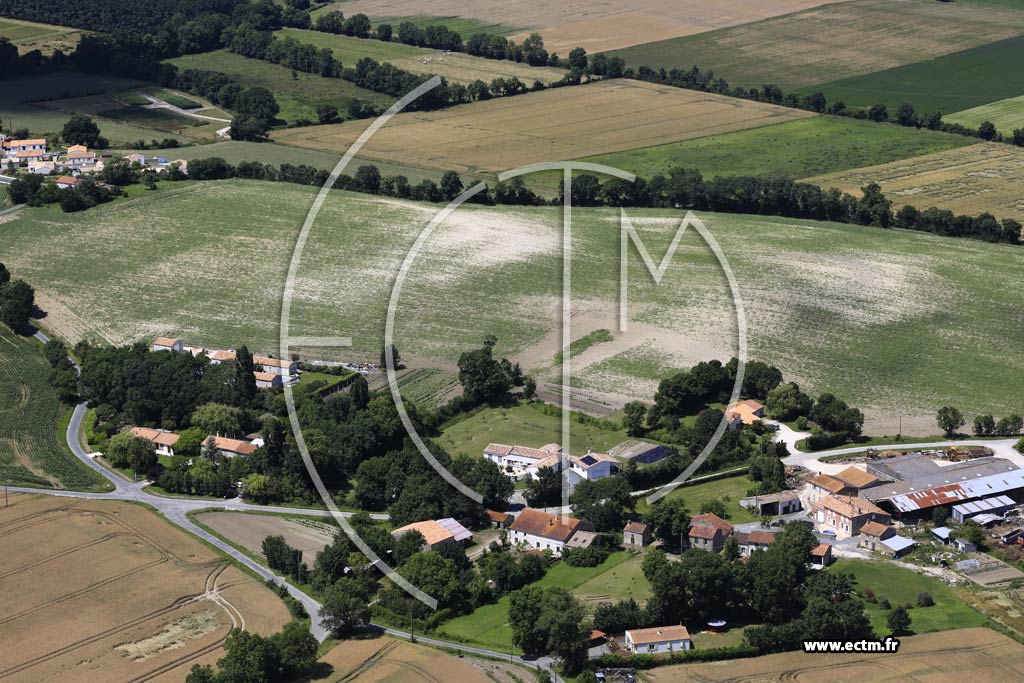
[(537, 523)]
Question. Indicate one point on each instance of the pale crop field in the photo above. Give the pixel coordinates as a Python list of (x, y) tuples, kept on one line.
[(968, 654), (863, 312), (833, 41), (563, 123), (595, 25), (984, 177), (103, 590), (455, 67), (28, 36)]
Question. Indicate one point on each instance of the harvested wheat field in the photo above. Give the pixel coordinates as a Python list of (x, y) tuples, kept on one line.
[(552, 125), (970, 180), (107, 591), (592, 24), (975, 654), (249, 530), (383, 660), (834, 41)]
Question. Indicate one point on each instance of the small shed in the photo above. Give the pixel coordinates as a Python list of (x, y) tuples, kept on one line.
[(896, 546), (636, 534), (964, 546), (942, 533)]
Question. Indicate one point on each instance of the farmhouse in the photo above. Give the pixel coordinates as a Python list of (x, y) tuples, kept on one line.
[(659, 640), (231, 447), (162, 440), (436, 532), (636, 534), (873, 533), (781, 503), (747, 411), (846, 514), (541, 531), (35, 146), (708, 532), (66, 181), (277, 366), (753, 541), (79, 157), (517, 459), (267, 380), (857, 478), (167, 344), (824, 485)]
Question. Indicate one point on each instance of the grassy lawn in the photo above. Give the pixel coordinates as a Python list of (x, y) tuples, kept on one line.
[(733, 488), (797, 149), (523, 425), (33, 451), (902, 585), (619, 577), (298, 94), (1007, 115), (948, 83)]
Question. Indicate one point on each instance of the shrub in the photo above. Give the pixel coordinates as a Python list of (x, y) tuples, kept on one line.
[(869, 595), (883, 602), (925, 599)]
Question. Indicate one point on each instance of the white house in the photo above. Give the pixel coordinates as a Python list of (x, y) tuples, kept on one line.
[(519, 461), (594, 465), (167, 344), (231, 447), (162, 440), (79, 157), (36, 147), (267, 380), (540, 531), (658, 640), (277, 366)]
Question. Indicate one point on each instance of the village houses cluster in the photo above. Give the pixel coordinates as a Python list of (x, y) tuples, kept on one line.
[(32, 155)]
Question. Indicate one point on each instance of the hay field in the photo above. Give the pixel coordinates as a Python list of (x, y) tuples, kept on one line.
[(564, 123), (594, 24), (456, 67), (105, 591), (948, 83), (1007, 115), (47, 38), (249, 530), (833, 41), (983, 177), (386, 660), (32, 448), (969, 654)]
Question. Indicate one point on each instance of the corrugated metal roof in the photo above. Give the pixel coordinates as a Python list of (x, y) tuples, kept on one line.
[(458, 532), (953, 493), (898, 543), (984, 505)]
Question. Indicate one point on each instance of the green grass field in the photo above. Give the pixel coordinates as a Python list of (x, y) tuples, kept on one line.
[(797, 149), (32, 447), (298, 95), (619, 577), (695, 495), (1007, 115), (157, 119), (948, 83), (455, 67), (902, 585), (523, 425), (818, 297), (834, 41), (43, 104), (46, 38), (464, 26)]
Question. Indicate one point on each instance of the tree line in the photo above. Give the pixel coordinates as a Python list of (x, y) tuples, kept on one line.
[(17, 301)]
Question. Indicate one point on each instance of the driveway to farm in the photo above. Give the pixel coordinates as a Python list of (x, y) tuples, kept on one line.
[(11, 209), (176, 510), (1003, 448), (157, 103)]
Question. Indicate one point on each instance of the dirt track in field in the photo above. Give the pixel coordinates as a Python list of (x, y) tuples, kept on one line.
[(107, 591)]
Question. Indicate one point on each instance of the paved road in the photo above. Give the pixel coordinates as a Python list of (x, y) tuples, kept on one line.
[(176, 511), (11, 209), (157, 103)]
